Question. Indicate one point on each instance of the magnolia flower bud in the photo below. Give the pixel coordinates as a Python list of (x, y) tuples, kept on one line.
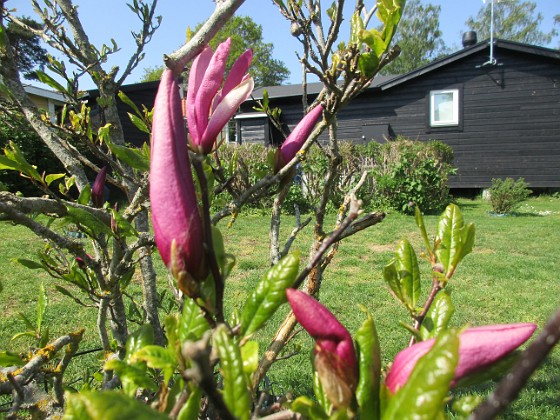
[(479, 348), (177, 223), (335, 358), (297, 138), (98, 189)]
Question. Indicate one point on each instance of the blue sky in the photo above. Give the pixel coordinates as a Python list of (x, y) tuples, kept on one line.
[(106, 19)]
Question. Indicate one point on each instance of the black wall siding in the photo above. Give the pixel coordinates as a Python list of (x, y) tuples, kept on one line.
[(510, 115)]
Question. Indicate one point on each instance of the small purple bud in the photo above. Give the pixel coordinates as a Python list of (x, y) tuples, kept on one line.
[(297, 137), (175, 215), (98, 189), (479, 348), (81, 263), (335, 357)]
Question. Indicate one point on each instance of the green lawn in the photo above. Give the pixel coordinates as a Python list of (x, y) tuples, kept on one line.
[(511, 276)]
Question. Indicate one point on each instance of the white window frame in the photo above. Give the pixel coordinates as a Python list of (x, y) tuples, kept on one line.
[(454, 120)]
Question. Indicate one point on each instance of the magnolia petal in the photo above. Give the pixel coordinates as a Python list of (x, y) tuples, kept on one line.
[(196, 75), (210, 84), (172, 193), (237, 74), (223, 113), (479, 348), (301, 132)]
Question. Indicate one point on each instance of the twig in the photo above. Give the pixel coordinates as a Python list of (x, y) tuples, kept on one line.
[(31, 368), (299, 227), (334, 237), (214, 267), (201, 372), (177, 60), (510, 386)]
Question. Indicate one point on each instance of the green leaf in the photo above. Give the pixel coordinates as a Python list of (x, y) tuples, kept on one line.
[(369, 358), (308, 408), (107, 405), (409, 273), (14, 153), (156, 357), (139, 123), (391, 276), (192, 324), (84, 218), (49, 179), (133, 157), (143, 336), (10, 359), (132, 376), (422, 226), (29, 325), (42, 304), (465, 405), (250, 357), (356, 27), (424, 394), (85, 195), (368, 64), (8, 164), (33, 265), (269, 294), (122, 96), (236, 390), (454, 239), (320, 395), (48, 80), (438, 316), (190, 410), (124, 227)]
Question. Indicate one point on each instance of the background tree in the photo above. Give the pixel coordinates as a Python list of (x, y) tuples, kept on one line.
[(513, 20), (418, 36), (26, 48), (244, 33), (152, 74)]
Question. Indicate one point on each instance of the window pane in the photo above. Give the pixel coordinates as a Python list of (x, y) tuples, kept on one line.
[(443, 107)]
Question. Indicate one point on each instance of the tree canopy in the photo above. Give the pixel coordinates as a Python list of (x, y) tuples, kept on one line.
[(514, 20), (27, 51), (245, 34), (418, 36)]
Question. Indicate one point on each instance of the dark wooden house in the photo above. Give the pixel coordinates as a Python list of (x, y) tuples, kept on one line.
[(500, 113)]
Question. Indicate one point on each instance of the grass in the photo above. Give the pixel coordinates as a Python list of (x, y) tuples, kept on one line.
[(511, 276)]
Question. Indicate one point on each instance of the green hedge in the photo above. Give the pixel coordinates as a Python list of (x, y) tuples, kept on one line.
[(400, 172)]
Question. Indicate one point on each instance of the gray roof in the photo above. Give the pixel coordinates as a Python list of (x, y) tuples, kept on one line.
[(284, 91), (386, 82)]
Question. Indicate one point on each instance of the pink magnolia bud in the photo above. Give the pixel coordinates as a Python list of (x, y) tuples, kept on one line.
[(98, 189), (177, 223), (297, 137), (209, 108), (479, 348), (335, 358)]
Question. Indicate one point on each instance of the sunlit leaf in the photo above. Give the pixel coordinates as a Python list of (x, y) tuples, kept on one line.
[(369, 358), (235, 391), (424, 394), (108, 405), (269, 294)]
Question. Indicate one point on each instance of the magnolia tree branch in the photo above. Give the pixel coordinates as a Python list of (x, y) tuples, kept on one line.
[(27, 372), (224, 10), (275, 218), (512, 384)]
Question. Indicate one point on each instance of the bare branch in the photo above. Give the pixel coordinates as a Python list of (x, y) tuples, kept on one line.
[(225, 9)]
